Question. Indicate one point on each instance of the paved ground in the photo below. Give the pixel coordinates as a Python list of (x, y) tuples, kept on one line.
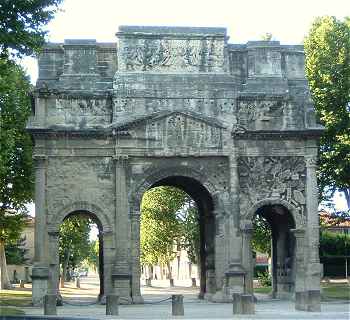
[(194, 309)]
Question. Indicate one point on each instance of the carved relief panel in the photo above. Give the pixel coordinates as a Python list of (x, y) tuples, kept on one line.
[(80, 113), (72, 179), (272, 177), (261, 114), (164, 55), (178, 131)]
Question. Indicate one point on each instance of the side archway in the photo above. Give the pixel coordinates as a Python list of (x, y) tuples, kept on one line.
[(80, 206)]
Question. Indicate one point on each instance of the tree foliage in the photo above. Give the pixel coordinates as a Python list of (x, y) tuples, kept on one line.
[(169, 219), (16, 175), (327, 50), (74, 242), (261, 239), (15, 252), (334, 244), (22, 25)]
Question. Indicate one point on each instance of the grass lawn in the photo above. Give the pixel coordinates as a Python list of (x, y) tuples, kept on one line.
[(266, 290), (16, 298), (10, 311), (336, 291)]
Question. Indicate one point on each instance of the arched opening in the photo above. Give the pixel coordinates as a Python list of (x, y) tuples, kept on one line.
[(81, 263), (203, 203), (281, 268)]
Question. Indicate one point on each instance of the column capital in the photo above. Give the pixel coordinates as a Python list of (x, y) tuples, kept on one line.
[(298, 233), (39, 160), (246, 226), (121, 159), (134, 216), (311, 161)]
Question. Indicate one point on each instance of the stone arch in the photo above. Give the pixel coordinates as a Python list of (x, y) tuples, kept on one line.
[(86, 206), (298, 221), (155, 175)]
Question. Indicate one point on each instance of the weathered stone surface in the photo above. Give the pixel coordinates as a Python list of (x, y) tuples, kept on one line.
[(231, 124)]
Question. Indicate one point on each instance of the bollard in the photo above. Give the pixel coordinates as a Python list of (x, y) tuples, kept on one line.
[(50, 305), (177, 305), (248, 306), (77, 282), (237, 303), (171, 282), (194, 283), (314, 304), (21, 283), (149, 282), (112, 302)]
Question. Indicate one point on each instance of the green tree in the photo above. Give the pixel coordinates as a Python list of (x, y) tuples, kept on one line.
[(21, 33), (334, 244), (16, 177), (261, 239), (327, 50), (161, 228), (22, 25), (74, 243), (15, 252)]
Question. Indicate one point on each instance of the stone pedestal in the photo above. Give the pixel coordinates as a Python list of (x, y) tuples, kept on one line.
[(237, 303), (248, 306), (122, 288), (50, 301), (112, 302), (40, 277), (314, 301), (177, 305)]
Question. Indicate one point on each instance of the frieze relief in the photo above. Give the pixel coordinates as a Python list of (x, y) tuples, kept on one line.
[(264, 114), (126, 106), (80, 113), (181, 131), (189, 55), (272, 177)]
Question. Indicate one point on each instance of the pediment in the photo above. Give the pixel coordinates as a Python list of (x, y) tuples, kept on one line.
[(174, 129)]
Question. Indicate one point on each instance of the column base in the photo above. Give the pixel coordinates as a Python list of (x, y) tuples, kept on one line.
[(122, 287), (308, 301), (137, 300), (40, 278)]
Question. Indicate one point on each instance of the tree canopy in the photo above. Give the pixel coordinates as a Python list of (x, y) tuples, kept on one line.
[(16, 175), (74, 242), (327, 50), (168, 220), (22, 25)]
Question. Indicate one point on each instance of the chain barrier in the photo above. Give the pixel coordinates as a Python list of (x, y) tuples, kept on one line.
[(80, 304)]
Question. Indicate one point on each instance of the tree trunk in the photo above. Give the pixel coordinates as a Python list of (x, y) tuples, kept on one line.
[(347, 196), (4, 277), (170, 274)]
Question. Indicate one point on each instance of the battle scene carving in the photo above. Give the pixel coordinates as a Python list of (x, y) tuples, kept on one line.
[(181, 131), (272, 177), (80, 113), (264, 114), (204, 55)]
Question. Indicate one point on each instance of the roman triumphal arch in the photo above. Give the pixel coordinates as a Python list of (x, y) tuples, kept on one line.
[(231, 124)]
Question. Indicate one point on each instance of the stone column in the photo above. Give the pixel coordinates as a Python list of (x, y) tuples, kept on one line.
[(300, 301), (234, 273), (313, 272), (54, 263), (40, 271), (135, 258), (121, 273), (235, 252), (247, 257)]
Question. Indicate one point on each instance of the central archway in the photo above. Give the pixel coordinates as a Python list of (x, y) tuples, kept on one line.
[(206, 222)]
